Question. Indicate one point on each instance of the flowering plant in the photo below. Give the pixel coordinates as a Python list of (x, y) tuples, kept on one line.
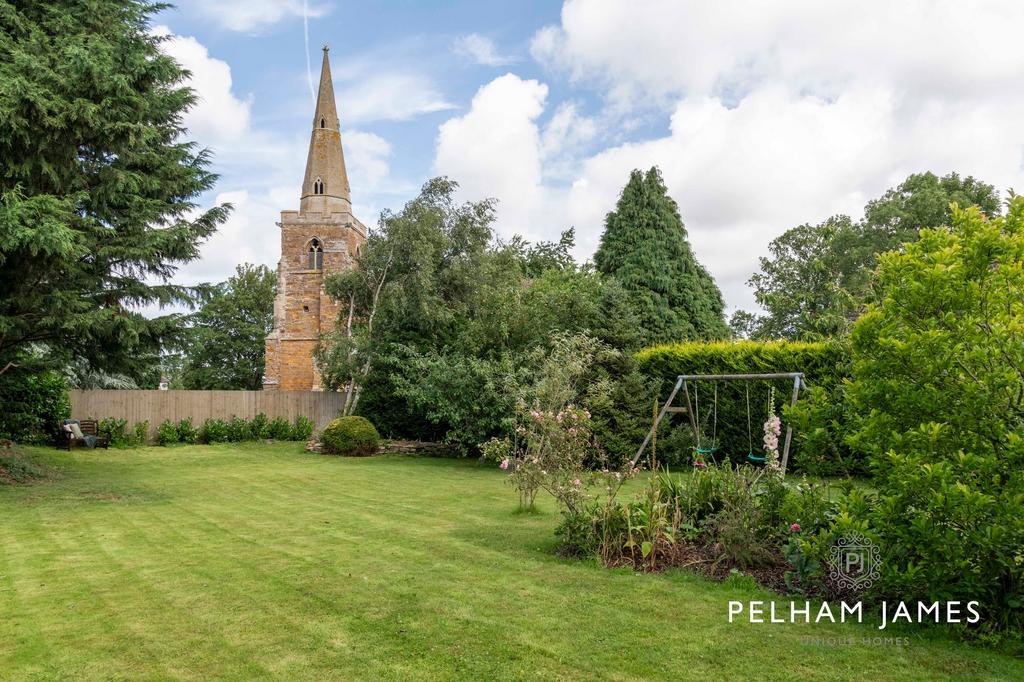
[(772, 430), (548, 452)]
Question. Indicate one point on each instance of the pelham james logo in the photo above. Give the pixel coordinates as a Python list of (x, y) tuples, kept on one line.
[(854, 561)]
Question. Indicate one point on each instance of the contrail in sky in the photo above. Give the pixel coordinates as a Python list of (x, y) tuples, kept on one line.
[(305, 35)]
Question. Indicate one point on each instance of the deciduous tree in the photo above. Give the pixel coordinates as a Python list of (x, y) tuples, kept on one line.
[(225, 348)]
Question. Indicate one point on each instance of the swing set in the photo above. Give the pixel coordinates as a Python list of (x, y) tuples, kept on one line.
[(707, 448)]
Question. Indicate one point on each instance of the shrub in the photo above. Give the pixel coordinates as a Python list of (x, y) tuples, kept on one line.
[(214, 431), (260, 427), (34, 403), (302, 429), (167, 433), (825, 365), (350, 436), (116, 431), (140, 433), (739, 531), (553, 440), (186, 432), (938, 384), (239, 430), (279, 429)]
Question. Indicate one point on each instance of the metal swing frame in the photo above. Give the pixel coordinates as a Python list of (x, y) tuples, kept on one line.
[(684, 380)]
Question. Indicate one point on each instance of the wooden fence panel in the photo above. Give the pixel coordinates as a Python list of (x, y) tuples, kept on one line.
[(156, 406)]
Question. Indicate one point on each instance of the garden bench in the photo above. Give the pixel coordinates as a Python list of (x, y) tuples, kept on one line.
[(88, 433)]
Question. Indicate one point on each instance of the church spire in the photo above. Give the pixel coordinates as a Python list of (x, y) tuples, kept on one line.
[(325, 187)]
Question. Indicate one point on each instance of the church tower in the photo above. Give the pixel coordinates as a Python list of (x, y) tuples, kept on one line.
[(321, 238)]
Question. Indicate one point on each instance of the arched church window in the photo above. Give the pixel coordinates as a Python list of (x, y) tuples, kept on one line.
[(323, 124), (318, 186), (315, 255)]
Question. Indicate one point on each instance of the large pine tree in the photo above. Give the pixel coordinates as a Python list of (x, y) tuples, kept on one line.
[(644, 246), (98, 188)]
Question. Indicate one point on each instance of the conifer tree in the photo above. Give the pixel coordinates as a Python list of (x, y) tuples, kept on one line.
[(98, 188), (644, 246)]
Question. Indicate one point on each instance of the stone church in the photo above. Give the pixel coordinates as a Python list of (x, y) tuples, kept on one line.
[(321, 238)]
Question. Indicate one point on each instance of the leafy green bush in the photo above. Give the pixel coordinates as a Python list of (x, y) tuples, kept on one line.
[(738, 516), (350, 436), (140, 433), (34, 403), (279, 429), (825, 366), (938, 384), (167, 433), (260, 427), (302, 429), (239, 430), (187, 433), (214, 431), (739, 531), (116, 431)]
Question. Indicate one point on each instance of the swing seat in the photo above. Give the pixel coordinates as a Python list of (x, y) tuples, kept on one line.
[(700, 453), (759, 459)]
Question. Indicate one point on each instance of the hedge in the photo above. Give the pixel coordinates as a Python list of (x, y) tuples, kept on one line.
[(818, 444)]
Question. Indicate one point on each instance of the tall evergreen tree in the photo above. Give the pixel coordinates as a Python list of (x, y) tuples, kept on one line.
[(644, 246), (98, 188)]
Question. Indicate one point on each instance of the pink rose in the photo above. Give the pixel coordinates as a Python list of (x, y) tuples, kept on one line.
[(504, 464), (795, 528)]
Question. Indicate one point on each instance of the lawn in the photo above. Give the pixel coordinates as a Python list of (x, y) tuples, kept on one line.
[(263, 561)]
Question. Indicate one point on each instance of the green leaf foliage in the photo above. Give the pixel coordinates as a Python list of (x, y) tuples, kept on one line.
[(938, 385), (225, 348), (463, 316), (32, 404), (98, 187), (644, 247), (816, 279), (353, 436)]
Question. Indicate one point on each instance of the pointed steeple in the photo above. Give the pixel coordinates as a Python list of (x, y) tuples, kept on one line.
[(325, 187)]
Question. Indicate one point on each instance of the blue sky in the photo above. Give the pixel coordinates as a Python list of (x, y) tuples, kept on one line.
[(761, 115)]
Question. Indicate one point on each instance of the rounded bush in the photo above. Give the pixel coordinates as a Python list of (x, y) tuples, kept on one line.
[(354, 436)]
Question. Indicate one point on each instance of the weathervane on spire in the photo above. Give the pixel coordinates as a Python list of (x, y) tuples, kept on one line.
[(327, 47)]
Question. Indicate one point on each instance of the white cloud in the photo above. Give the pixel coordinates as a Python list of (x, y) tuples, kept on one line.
[(563, 139), (671, 47), (388, 96), (252, 15), (494, 150), (366, 156), (219, 118), (248, 236), (481, 50), (780, 113)]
